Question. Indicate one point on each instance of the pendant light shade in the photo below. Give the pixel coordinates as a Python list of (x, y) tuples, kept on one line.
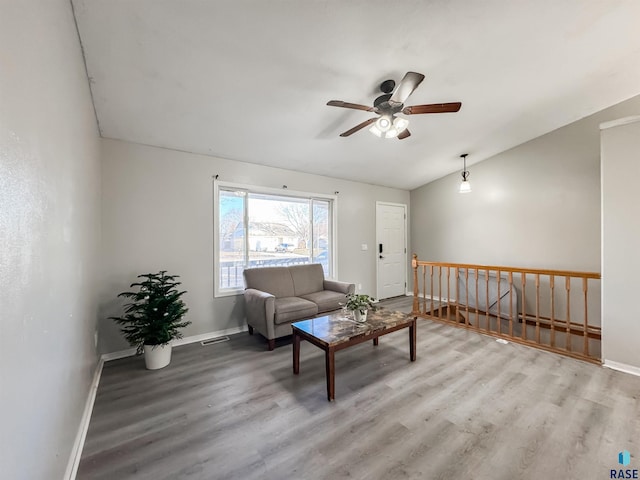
[(465, 185)]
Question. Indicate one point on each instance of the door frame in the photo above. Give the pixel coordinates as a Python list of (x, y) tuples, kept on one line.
[(406, 239)]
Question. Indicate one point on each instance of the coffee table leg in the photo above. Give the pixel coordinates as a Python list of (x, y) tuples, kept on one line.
[(412, 340), (331, 374), (296, 353), (375, 341)]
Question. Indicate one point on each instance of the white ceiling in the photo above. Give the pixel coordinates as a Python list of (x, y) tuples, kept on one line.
[(249, 79)]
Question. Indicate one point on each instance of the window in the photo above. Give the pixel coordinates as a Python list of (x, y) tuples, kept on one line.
[(262, 228)]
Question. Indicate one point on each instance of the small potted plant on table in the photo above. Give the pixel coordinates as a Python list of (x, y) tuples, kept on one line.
[(360, 304), (153, 317)]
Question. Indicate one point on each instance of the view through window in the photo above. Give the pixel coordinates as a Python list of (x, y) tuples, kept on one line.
[(261, 230)]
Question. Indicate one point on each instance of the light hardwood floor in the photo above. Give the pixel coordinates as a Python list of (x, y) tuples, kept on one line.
[(468, 408)]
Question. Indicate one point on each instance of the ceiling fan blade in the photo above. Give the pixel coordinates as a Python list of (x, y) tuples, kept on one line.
[(360, 126), (355, 106), (404, 134), (408, 84), (432, 108)]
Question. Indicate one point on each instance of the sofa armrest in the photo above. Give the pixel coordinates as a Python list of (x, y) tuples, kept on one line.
[(342, 287), (260, 310)]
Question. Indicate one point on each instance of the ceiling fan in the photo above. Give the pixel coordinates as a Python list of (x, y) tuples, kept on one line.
[(388, 105)]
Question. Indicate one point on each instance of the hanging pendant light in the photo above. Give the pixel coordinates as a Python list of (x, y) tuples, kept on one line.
[(465, 185)]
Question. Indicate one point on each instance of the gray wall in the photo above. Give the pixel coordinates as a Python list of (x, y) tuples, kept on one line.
[(620, 254), (49, 238), (536, 205), (158, 214)]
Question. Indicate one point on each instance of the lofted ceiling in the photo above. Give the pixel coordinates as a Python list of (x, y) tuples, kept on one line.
[(249, 80)]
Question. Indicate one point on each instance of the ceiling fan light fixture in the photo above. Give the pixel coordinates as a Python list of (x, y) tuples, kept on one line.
[(384, 127), (383, 123), (375, 130), (400, 124), (381, 127), (392, 133)]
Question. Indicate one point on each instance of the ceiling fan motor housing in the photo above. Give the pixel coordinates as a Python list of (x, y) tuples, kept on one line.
[(381, 99), (382, 105)]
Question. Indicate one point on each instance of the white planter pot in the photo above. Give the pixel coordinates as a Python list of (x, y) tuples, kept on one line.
[(157, 356), (360, 317)]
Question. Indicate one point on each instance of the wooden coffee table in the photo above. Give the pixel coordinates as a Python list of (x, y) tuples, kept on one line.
[(338, 331)]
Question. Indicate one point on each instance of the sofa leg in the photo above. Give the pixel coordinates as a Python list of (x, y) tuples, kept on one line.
[(250, 329), (272, 343)]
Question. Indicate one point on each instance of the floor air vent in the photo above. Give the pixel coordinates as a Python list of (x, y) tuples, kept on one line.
[(213, 341)]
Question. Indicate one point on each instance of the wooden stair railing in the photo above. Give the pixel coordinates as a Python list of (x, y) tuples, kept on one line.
[(521, 305)]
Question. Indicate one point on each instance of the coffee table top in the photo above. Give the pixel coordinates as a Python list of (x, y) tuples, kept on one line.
[(339, 327)]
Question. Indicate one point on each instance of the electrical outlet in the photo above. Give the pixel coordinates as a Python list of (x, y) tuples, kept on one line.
[(359, 287)]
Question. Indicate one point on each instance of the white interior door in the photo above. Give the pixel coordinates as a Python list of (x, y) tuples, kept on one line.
[(391, 249)]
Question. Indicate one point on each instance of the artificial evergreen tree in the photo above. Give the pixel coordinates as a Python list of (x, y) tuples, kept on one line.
[(154, 315)]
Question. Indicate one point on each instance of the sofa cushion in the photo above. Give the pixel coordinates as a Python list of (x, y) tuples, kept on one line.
[(289, 309), (274, 280), (307, 278), (326, 300)]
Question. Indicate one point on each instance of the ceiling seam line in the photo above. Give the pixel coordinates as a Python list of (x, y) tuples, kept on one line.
[(86, 68)]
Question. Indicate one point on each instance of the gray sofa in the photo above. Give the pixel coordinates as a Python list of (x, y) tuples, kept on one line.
[(276, 296)]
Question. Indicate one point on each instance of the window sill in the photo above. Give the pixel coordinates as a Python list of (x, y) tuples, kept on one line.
[(228, 293)]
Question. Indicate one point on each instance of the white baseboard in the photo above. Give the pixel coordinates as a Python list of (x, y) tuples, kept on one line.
[(622, 367), (435, 298), (207, 336), (78, 445), (130, 352)]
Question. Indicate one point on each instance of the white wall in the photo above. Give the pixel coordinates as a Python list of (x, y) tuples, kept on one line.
[(620, 253), (49, 237), (536, 205), (158, 214)]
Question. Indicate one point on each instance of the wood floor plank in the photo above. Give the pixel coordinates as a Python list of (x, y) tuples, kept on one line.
[(469, 407)]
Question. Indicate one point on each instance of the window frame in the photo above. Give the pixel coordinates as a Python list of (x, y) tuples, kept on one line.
[(256, 189)]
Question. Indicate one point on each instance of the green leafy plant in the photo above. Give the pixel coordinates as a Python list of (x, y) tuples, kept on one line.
[(360, 302), (154, 315)]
